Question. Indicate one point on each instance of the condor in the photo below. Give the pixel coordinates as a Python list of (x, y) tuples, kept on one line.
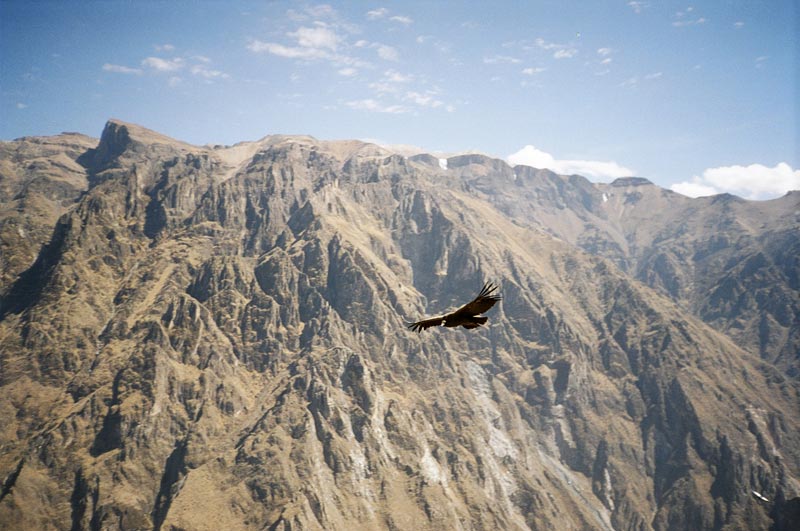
[(467, 316)]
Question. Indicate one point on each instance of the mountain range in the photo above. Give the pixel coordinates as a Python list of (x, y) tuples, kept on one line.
[(213, 337)]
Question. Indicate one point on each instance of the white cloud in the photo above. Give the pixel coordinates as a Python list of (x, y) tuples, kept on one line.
[(198, 66), (695, 22), (316, 38), (393, 76), (501, 59), (289, 52), (681, 18), (21, 105), (544, 45), (637, 6), (311, 12), (164, 48), (605, 53), (633, 82), (377, 13), (423, 100), (383, 87), (530, 156), (402, 19), (119, 69), (395, 86), (560, 51), (694, 188), (208, 73), (532, 71), (384, 51), (303, 53), (738, 25), (163, 65), (382, 12), (375, 106), (755, 181), (348, 71), (566, 53), (312, 43), (258, 46), (320, 11), (388, 53), (390, 82)]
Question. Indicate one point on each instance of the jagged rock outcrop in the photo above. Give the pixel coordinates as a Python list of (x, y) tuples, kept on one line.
[(214, 338)]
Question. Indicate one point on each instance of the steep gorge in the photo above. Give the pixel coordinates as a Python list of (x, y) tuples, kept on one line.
[(213, 337)]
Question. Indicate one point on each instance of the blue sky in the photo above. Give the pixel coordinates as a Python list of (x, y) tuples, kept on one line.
[(699, 96)]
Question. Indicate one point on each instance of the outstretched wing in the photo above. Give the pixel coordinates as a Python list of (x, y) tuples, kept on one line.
[(419, 326), (481, 303)]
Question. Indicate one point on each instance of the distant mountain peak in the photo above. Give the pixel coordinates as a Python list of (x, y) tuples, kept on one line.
[(116, 131)]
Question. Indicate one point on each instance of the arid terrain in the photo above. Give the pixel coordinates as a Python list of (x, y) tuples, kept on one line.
[(214, 337)]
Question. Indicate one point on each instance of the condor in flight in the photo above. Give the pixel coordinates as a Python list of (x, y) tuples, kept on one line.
[(466, 316)]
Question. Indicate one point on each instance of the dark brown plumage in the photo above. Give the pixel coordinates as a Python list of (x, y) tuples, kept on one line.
[(466, 316)]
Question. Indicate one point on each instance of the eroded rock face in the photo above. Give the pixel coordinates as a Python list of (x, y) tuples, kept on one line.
[(214, 338)]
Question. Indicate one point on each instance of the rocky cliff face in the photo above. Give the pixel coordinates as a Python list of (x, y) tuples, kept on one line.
[(214, 338)]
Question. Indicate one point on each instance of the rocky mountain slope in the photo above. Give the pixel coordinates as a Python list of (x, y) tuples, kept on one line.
[(213, 337), (41, 179), (731, 262)]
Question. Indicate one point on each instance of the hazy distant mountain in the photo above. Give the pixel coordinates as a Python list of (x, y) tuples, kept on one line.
[(213, 338)]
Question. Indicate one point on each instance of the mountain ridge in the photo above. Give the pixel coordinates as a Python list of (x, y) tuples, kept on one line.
[(221, 340)]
